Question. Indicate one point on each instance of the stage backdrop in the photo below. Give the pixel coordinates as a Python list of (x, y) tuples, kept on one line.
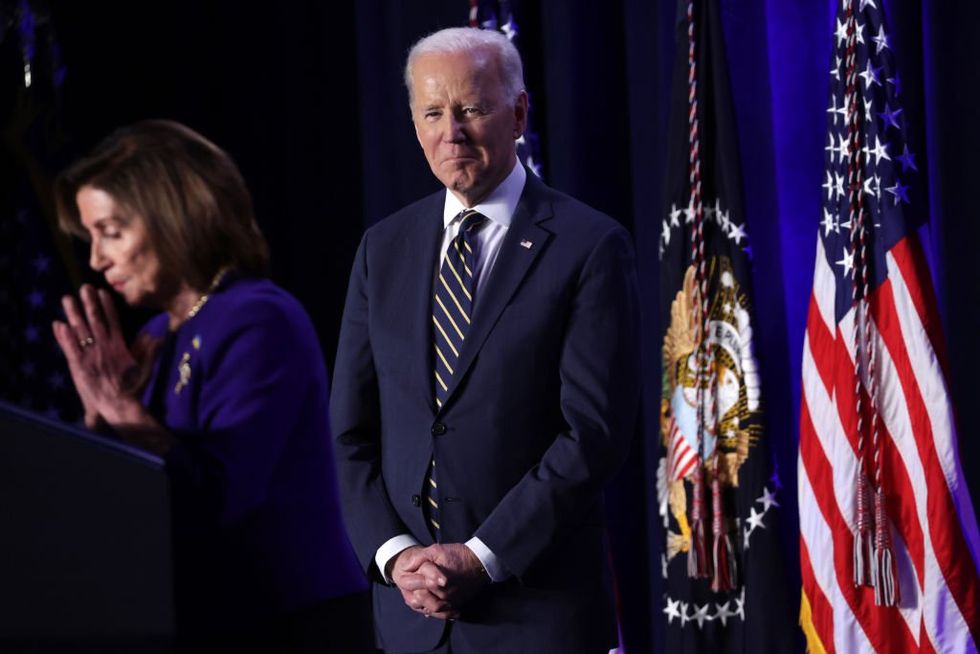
[(308, 97)]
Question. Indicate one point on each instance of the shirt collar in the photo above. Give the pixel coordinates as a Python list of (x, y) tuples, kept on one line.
[(499, 206)]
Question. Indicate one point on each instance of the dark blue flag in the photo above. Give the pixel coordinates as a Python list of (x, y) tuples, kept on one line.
[(719, 494), (33, 256)]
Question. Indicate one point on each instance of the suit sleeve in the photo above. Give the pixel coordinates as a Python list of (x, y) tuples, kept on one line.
[(600, 387), (355, 419)]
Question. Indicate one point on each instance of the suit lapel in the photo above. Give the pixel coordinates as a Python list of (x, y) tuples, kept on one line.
[(420, 256), (524, 242)]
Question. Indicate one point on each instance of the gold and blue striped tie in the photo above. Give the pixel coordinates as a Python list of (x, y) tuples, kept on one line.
[(452, 311)]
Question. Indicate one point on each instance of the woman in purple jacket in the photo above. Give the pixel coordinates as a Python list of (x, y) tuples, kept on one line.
[(227, 384)]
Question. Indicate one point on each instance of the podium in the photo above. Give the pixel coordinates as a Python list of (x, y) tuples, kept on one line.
[(85, 542)]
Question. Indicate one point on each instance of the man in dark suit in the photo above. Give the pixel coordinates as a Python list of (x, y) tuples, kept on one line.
[(486, 383)]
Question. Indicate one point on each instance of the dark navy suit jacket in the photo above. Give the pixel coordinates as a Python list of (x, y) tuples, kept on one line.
[(540, 413), (257, 526)]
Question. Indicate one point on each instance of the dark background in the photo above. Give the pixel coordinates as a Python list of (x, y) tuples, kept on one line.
[(308, 98)]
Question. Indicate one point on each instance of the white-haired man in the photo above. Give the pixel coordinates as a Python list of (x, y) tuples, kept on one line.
[(486, 383)]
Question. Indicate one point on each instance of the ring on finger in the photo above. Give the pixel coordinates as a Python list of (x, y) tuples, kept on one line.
[(88, 341)]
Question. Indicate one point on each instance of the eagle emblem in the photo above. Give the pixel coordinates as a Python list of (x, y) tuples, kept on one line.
[(728, 391)]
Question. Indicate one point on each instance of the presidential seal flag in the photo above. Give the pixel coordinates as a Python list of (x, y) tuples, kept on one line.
[(718, 491), (888, 536)]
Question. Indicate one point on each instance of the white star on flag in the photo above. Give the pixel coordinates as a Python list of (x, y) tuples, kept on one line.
[(870, 75), (880, 151), (881, 40), (847, 262), (737, 233), (701, 614), (768, 499)]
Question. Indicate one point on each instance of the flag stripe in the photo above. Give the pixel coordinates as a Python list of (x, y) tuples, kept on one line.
[(821, 528), (931, 378), (943, 617), (681, 456), (954, 566), (901, 498), (823, 344), (906, 508), (906, 483), (885, 628), (824, 287), (821, 611), (911, 261)]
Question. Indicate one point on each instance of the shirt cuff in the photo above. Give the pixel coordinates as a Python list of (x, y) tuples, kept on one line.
[(491, 563), (389, 549)]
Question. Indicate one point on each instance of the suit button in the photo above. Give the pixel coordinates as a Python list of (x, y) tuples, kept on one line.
[(438, 429), (416, 500)]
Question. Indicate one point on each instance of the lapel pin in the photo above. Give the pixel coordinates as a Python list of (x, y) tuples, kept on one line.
[(526, 244)]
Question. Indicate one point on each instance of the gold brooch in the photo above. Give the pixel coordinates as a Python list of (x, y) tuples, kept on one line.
[(184, 367)]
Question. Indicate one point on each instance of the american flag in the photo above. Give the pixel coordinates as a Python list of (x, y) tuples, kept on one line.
[(497, 15), (888, 536)]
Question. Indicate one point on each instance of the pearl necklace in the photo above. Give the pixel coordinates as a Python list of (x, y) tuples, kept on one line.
[(201, 301)]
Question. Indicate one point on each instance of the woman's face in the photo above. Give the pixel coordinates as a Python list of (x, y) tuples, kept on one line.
[(121, 250)]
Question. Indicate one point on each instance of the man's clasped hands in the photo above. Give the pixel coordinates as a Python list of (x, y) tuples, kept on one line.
[(437, 580)]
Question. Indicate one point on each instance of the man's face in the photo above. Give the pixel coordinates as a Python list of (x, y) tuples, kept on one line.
[(465, 122)]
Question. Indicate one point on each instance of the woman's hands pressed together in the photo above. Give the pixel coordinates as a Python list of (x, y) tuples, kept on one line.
[(108, 375)]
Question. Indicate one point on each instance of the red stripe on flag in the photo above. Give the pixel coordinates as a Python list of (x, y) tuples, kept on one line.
[(911, 261), (821, 344), (952, 551), (822, 613), (837, 362), (686, 468), (681, 457), (901, 499), (884, 626), (842, 365)]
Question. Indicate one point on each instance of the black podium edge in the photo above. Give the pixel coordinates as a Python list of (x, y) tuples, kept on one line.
[(78, 433)]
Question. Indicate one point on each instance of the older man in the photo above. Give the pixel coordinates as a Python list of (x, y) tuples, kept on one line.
[(486, 383)]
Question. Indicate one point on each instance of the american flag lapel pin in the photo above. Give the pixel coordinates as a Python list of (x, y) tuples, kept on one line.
[(526, 244)]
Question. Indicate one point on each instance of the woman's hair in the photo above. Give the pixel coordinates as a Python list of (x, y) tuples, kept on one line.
[(187, 191)]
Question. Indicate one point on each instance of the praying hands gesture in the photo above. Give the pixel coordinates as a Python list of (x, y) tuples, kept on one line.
[(438, 580), (108, 375)]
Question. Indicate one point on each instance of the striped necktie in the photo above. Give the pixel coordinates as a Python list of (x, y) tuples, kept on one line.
[(452, 310), (452, 307)]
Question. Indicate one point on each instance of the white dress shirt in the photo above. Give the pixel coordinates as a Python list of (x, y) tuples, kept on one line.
[(499, 209)]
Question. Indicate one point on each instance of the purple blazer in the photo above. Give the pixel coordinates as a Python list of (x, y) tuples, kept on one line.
[(257, 526)]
